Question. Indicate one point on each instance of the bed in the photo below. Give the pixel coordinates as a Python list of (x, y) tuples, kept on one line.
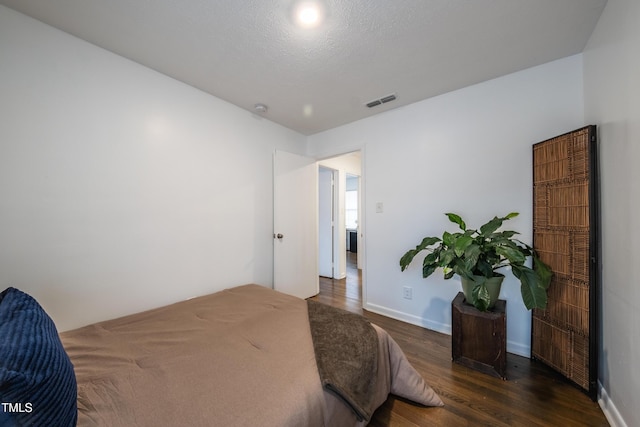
[(244, 356)]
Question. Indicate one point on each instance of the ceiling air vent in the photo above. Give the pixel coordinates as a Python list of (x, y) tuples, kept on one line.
[(381, 101)]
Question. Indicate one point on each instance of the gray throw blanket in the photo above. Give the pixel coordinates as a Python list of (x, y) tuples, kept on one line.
[(346, 349)]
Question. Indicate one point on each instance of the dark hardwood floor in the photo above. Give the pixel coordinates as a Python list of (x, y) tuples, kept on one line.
[(533, 394)]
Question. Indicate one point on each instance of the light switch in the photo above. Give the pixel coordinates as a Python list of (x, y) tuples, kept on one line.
[(379, 207)]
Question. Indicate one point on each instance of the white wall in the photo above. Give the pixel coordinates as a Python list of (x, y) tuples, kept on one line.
[(612, 100), (120, 188), (467, 152)]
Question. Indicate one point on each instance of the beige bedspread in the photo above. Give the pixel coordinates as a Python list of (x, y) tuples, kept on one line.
[(240, 357)]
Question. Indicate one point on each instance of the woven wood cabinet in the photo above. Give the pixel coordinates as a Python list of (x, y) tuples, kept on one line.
[(565, 235)]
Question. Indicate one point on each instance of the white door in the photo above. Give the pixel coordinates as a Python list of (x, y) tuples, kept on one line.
[(325, 221), (295, 225)]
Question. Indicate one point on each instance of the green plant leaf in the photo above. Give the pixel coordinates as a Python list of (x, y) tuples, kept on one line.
[(431, 258), (426, 242), (496, 223), (457, 219), (481, 298), (535, 297), (446, 257), (428, 269), (507, 234), (430, 264), (407, 258), (544, 272), (533, 294), (491, 226), (471, 255), (461, 245), (512, 253), (484, 268), (448, 239), (461, 270)]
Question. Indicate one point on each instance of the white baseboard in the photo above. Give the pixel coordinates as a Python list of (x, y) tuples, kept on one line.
[(609, 409), (519, 349), (408, 318)]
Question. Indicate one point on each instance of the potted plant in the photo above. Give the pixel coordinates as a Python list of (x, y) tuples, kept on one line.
[(478, 256)]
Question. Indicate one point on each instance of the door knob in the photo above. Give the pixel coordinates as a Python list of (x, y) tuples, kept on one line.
[(279, 235)]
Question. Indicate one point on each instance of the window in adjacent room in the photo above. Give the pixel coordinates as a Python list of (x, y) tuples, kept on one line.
[(351, 202)]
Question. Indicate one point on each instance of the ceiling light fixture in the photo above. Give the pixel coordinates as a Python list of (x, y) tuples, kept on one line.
[(261, 108), (308, 14)]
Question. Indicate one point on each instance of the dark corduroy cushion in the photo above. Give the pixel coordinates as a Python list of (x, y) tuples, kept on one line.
[(37, 382)]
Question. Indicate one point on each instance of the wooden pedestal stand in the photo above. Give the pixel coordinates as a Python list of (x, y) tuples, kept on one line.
[(479, 338)]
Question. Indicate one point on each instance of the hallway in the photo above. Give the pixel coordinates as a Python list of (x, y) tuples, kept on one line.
[(344, 293)]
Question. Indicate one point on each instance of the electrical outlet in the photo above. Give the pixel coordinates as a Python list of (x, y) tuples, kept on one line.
[(407, 292)]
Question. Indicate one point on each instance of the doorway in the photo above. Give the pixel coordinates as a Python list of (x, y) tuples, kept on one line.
[(341, 219)]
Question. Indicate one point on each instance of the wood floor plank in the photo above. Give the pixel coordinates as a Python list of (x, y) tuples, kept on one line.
[(533, 394)]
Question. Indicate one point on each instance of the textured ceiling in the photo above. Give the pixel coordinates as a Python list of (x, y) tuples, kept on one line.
[(250, 51)]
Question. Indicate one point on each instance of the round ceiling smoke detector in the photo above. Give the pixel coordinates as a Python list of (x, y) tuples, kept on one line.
[(261, 108)]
